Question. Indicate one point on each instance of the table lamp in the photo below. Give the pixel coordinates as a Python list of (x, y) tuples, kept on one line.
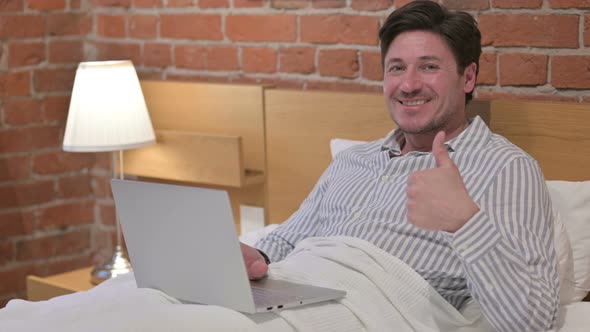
[(108, 113)]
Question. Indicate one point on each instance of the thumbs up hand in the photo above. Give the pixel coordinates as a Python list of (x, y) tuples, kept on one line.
[(437, 197)]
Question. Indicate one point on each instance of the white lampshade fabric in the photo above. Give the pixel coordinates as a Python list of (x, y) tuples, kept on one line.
[(107, 109)]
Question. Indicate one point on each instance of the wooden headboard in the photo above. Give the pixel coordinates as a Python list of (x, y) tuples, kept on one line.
[(300, 124)]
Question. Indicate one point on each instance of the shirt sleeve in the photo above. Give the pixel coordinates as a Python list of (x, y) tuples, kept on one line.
[(508, 253), (302, 224)]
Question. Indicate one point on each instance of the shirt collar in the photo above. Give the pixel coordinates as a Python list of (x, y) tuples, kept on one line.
[(476, 134)]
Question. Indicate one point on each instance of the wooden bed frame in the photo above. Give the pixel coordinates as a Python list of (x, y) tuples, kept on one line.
[(300, 124), (268, 147)]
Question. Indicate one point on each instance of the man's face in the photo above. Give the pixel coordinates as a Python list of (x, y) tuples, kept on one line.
[(423, 90)]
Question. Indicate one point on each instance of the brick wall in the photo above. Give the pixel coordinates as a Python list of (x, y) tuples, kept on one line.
[(55, 210), (52, 204), (532, 48)]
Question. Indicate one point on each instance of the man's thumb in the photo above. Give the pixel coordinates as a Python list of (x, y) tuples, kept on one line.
[(439, 150)]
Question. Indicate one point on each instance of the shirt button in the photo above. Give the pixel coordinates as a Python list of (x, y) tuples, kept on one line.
[(356, 215), (385, 178)]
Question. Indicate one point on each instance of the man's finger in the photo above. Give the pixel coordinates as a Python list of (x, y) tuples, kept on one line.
[(441, 155)]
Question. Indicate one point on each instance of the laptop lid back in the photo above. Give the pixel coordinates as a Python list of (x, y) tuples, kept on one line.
[(182, 240)]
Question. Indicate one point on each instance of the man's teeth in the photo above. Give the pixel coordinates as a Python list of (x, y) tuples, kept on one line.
[(414, 103)]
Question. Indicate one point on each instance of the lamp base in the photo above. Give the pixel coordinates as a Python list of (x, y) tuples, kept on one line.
[(118, 265)]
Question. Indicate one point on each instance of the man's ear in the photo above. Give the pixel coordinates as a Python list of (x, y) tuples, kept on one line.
[(470, 76)]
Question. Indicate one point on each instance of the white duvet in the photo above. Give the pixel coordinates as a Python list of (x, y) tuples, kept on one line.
[(384, 294)]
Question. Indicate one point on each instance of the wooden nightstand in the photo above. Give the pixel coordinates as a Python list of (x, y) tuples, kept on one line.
[(40, 289)]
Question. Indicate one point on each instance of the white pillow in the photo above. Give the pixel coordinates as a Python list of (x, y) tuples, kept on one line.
[(341, 144), (571, 201)]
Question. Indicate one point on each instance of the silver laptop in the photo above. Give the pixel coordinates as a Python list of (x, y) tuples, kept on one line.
[(182, 241)]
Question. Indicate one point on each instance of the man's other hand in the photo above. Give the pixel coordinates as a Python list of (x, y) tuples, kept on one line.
[(255, 264), (437, 197)]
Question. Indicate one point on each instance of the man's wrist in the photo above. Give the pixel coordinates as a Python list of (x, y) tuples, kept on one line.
[(266, 259)]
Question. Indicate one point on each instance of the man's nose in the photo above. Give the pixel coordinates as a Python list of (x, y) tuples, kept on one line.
[(411, 82)]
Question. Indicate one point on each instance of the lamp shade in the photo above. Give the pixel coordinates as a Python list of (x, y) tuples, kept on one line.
[(107, 110)]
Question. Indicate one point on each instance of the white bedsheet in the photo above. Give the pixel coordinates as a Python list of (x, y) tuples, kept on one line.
[(383, 293)]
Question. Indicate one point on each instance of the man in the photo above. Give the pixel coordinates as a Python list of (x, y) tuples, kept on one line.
[(463, 207)]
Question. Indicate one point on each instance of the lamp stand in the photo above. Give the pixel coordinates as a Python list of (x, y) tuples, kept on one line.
[(118, 263)]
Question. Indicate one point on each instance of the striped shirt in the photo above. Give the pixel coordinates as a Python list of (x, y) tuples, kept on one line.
[(503, 256)]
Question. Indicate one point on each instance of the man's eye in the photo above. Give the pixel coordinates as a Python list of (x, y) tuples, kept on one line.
[(430, 67), (394, 69)]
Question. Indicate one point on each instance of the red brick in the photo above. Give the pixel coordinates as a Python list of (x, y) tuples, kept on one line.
[(19, 195), (569, 3), (60, 162), (517, 3), (55, 108), (259, 60), (143, 26), (372, 68), (212, 58), (25, 53), (110, 25), (74, 186), (345, 29), (157, 55), (103, 160), (22, 111), (222, 58), (297, 59), (466, 5), (249, 3), (22, 26), (529, 30), (328, 3), (15, 168), (190, 56), (15, 84), (516, 96), (66, 51), (213, 3), (55, 245), (523, 69), (343, 86), (487, 69), (54, 80), (69, 24), (570, 71), (26, 139), (371, 5), (145, 73), (399, 3), (112, 3), (11, 6), (14, 278), (107, 214), (179, 3), (288, 4), (46, 4), (261, 28), (587, 30), (101, 187), (6, 252), (191, 26), (66, 214), (16, 223), (147, 3), (118, 51), (75, 4), (339, 63)]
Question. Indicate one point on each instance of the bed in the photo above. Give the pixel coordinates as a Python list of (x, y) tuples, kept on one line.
[(311, 127)]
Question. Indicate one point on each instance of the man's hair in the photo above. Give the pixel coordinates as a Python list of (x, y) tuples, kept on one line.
[(458, 29)]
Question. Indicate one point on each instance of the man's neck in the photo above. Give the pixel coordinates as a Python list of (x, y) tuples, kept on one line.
[(423, 142)]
